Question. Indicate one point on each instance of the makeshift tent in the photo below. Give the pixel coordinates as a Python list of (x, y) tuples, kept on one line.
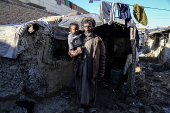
[(158, 44), (121, 46), (119, 40)]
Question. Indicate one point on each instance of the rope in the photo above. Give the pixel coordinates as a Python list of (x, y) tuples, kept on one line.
[(154, 8)]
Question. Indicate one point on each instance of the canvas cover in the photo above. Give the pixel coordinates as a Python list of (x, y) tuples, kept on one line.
[(70, 19), (12, 42)]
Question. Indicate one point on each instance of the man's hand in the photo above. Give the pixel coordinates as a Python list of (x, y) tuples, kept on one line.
[(76, 52)]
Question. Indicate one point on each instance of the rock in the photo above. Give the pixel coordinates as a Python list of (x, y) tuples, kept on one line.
[(141, 89), (157, 109), (9, 77), (157, 80), (138, 69), (166, 109), (123, 106), (18, 110), (147, 109), (134, 110), (165, 93), (115, 107), (8, 95), (14, 67), (112, 107), (139, 104), (20, 88), (166, 102), (31, 72), (7, 106), (164, 85), (130, 100), (27, 58), (168, 89)]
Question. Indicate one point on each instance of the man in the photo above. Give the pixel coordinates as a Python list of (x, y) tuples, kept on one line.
[(89, 67)]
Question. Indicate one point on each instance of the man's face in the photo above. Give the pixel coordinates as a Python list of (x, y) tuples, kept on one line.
[(88, 27)]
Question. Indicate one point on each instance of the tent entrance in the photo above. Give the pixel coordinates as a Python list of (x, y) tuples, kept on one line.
[(118, 46)]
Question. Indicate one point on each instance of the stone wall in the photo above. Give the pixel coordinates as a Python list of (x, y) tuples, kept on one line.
[(165, 54), (11, 13), (28, 76), (159, 47), (52, 6)]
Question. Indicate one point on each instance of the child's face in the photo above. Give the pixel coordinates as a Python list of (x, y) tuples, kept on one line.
[(74, 29)]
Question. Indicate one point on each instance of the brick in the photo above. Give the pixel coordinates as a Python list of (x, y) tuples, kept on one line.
[(14, 13)]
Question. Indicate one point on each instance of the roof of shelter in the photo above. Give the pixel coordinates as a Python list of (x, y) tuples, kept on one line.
[(70, 19), (158, 31)]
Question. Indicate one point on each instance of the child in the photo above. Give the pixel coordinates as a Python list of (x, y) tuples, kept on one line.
[(74, 40)]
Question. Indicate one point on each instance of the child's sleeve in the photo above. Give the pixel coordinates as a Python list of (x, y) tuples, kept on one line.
[(70, 42), (76, 37)]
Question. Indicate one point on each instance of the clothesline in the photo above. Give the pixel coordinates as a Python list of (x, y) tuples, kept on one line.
[(132, 5), (154, 8)]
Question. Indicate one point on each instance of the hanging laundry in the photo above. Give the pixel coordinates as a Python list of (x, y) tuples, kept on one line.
[(124, 13), (107, 12), (91, 1), (66, 2), (140, 14), (70, 4), (73, 6), (59, 2), (62, 1)]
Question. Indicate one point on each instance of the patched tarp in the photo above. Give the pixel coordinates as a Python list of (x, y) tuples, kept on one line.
[(12, 42), (70, 19), (67, 20), (9, 39)]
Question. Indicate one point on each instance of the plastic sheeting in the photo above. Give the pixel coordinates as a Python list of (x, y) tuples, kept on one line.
[(67, 20), (9, 39), (12, 42)]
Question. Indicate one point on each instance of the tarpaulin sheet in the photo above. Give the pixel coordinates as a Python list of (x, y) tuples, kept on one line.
[(9, 38), (67, 20), (12, 42)]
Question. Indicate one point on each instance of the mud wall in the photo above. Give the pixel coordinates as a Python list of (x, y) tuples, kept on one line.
[(159, 47), (165, 54), (28, 76)]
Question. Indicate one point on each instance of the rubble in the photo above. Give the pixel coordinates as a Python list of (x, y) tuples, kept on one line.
[(34, 76), (152, 96)]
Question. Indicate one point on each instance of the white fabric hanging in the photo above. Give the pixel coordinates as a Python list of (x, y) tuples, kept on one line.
[(107, 12)]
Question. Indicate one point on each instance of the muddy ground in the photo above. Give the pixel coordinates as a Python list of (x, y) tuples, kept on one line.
[(153, 95)]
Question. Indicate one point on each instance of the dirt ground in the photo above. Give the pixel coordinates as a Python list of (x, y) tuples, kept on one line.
[(153, 93)]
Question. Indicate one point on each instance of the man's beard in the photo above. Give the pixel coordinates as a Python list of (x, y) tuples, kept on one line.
[(88, 34)]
